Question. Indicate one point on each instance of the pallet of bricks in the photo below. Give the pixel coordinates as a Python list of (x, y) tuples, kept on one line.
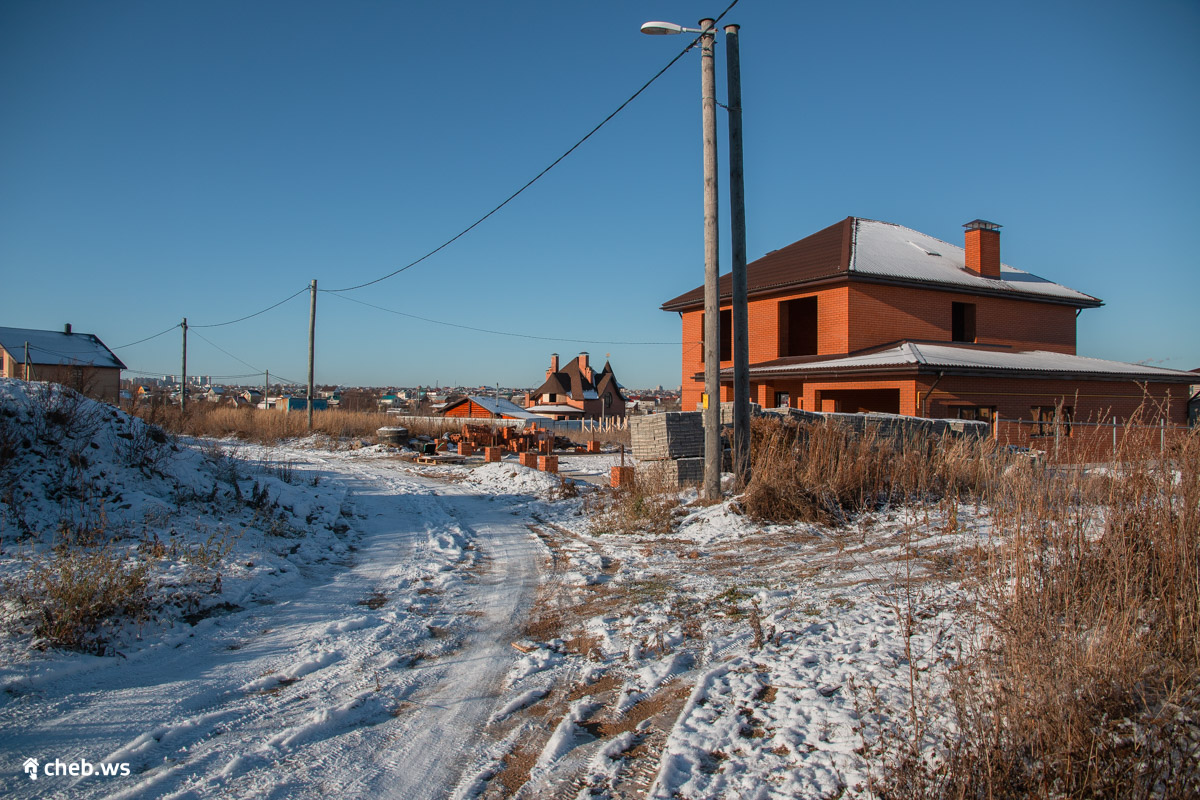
[(669, 448)]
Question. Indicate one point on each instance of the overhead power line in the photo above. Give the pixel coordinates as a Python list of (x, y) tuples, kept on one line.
[(174, 327), (495, 332), (226, 352), (250, 316), (537, 177)]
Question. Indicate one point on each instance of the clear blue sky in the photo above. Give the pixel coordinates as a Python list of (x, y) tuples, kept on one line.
[(207, 159)]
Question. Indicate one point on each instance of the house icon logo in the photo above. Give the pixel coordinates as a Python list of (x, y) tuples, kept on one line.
[(31, 767)]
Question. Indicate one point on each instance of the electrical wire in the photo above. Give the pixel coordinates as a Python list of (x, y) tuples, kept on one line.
[(231, 355), (251, 316), (176, 326), (537, 177), (495, 332)]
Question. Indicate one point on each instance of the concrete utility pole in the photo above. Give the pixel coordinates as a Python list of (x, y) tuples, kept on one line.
[(266, 387), (183, 376), (737, 230), (312, 341), (712, 308)]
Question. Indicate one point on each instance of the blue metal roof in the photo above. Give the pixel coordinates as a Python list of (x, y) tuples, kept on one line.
[(58, 347)]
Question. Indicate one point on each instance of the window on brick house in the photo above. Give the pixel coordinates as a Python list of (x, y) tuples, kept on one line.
[(982, 413), (1047, 418), (726, 353), (962, 322), (798, 327)]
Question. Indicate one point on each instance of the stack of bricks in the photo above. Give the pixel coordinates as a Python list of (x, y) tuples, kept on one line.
[(675, 472), (593, 446), (529, 459), (727, 412), (675, 434), (669, 447), (465, 448), (547, 463), (492, 453)]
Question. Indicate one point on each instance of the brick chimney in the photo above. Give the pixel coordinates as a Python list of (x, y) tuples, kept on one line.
[(983, 248), (583, 366), (553, 365)]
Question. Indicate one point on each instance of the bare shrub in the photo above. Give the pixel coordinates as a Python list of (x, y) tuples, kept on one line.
[(647, 506), (75, 597)]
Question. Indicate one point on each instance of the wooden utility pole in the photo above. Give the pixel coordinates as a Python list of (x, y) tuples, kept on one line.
[(312, 340), (266, 387), (737, 231), (712, 308), (183, 375), (28, 371)]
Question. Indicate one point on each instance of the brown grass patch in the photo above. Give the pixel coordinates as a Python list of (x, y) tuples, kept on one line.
[(1087, 681)]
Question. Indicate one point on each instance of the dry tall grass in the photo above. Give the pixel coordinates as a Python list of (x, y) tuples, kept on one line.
[(1085, 680), (262, 426), (1090, 683), (826, 472)]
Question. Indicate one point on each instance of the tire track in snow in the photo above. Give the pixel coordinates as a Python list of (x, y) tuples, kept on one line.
[(314, 694)]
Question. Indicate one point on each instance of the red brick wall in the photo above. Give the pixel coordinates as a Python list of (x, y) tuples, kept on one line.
[(1013, 397), (862, 315), (883, 314), (832, 335)]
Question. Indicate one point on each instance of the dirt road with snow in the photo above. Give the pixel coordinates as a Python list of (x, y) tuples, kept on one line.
[(371, 677)]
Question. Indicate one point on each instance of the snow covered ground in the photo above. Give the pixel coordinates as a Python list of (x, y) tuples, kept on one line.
[(376, 629)]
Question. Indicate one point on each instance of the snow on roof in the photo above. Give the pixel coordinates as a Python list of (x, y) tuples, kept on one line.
[(58, 347), (555, 409), (890, 250), (503, 407), (884, 251), (913, 354)]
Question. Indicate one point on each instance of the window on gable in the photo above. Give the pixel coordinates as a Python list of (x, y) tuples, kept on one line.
[(962, 322), (798, 327), (726, 353)]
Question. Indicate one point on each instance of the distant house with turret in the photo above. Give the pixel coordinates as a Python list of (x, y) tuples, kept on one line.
[(577, 391)]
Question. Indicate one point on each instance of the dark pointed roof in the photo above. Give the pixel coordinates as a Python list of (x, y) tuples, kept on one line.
[(569, 380)]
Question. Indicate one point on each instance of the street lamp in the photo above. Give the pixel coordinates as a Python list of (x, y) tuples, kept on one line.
[(712, 316)]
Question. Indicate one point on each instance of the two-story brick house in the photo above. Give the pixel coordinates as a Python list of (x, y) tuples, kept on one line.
[(873, 316)]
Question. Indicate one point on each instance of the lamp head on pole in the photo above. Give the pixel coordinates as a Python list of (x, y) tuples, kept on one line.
[(666, 29)]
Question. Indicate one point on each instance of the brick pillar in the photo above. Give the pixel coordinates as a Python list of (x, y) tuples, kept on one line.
[(622, 477)]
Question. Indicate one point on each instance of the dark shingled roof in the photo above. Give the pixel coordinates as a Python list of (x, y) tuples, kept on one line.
[(58, 348), (570, 381)]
